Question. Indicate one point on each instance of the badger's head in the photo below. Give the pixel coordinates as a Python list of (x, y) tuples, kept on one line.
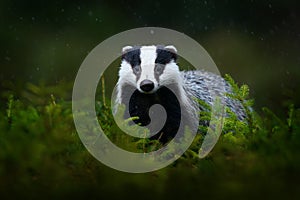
[(147, 68)]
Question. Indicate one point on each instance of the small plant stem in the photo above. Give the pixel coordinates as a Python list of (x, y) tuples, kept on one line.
[(103, 90)]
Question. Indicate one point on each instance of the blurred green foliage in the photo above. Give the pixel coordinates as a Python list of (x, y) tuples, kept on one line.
[(42, 156)]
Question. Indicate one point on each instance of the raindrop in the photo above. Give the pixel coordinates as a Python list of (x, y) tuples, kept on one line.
[(32, 18), (78, 7), (37, 69), (62, 10)]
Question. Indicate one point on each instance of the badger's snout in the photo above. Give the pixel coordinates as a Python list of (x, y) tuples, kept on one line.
[(147, 85)]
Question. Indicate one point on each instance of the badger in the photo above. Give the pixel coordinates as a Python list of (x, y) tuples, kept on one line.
[(149, 75)]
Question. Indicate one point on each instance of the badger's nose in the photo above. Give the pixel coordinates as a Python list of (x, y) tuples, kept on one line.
[(147, 85)]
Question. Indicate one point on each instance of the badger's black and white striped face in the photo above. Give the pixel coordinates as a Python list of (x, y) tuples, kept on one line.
[(149, 67)]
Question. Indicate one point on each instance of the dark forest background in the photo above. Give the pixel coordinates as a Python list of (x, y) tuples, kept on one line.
[(257, 42)]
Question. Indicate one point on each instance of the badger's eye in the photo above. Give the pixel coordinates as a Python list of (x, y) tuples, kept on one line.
[(136, 69), (159, 68)]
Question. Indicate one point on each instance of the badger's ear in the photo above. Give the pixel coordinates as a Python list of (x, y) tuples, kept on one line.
[(171, 48), (126, 49)]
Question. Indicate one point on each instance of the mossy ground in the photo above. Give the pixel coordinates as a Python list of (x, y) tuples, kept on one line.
[(42, 156)]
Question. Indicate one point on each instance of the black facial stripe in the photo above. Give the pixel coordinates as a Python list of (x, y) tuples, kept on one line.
[(158, 70), (137, 70), (132, 56), (164, 56)]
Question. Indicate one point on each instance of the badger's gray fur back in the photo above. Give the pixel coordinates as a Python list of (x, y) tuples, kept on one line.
[(145, 75), (198, 83)]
